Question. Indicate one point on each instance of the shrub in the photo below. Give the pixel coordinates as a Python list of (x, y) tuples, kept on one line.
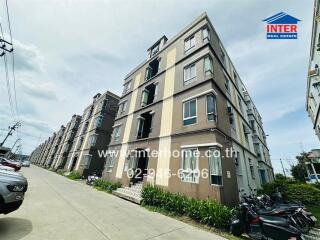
[(60, 171), (305, 193), (292, 191), (208, 212), (74, 175), (103, 185), (317, 185)]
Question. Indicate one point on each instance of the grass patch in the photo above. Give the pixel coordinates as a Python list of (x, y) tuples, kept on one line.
[(209, 212), (74, 175), (190, 221), (105, 186), (316, 212)]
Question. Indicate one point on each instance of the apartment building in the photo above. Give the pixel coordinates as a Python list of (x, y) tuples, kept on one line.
[(35, 155), (188, 97), (93, 135), (54, 147), (313, 86), (66, 142), (46, 150)]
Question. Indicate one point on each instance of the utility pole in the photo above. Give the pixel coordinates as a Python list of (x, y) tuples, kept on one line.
[(284, 172), (4, 47), (19, 139), (11, 129)]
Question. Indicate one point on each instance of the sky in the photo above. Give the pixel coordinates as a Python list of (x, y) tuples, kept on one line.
[(67, 51)]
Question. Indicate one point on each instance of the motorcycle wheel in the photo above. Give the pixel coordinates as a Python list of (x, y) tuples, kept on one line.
[(301, 223)]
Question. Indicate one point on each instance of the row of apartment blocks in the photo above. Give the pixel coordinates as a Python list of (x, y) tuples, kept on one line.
[(313, 87), (74, 147), (187, 96)]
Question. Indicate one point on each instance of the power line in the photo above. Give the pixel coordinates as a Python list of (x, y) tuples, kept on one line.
[(13, 65), (7, 77)]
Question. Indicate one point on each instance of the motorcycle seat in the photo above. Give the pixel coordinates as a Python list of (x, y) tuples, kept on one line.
[(269, 211), (274, 220)]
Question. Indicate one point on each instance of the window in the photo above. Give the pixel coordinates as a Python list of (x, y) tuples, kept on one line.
[(99, 121), (231, 115), (317, 86), (148, 95), (313, 100), (208, 66), (80, 143), (144, 126), (190, 112), (246, 133), (205, 34), (122, 107), (236, 80), (85, 127), (91, 112), (109, 162), (104, 104), (215, 166), (236, 159), (152, 69), (189, 74), (127, 87), (251, 169), (93, 140), (211, 108), (87, 161), (237, 162), (116, 132), (263, 176), (222, 55), (155, 50), (226, 82), (253, 126), (240, 104), (189, 165), (257, 149), (189, 43)]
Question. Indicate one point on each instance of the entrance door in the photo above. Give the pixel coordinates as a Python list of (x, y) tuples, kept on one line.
[(141, 165), (74, 163)]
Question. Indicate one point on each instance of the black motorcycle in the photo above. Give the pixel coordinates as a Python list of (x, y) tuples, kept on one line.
[(262, 227), (304, 218)]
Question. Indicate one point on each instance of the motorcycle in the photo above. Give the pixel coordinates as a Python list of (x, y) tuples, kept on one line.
[(301, 212), (91, 179), (262, 227)]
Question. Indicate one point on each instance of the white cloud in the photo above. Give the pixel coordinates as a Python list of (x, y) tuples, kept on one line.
[(69, 50)]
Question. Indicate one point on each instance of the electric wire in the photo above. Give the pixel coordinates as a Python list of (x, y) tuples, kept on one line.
[(13, 62)]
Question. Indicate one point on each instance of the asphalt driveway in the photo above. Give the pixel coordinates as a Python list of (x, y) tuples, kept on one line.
[(60, 209)]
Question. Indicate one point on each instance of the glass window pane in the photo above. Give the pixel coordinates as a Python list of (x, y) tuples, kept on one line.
[(193, 108), (186, 110), (210, 104), (192, 42)]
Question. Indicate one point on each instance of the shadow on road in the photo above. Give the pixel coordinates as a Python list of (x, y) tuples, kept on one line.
[(14, 228)]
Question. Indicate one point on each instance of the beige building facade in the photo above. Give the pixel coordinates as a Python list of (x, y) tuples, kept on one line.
[(187, 98), (313, 79), (93, 135)]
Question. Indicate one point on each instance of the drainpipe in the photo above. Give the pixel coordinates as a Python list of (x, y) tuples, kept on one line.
[(250, 188)]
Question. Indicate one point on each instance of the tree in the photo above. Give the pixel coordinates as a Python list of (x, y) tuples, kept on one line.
[(299, 171), (280, 177)]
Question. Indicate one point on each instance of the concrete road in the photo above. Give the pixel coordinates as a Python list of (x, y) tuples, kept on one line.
[(58, 208)]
